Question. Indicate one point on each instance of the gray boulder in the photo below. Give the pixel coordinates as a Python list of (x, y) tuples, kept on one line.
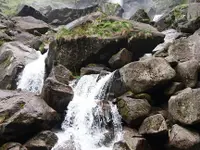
[(183, 139), (154, 125), (186, 49), (144, 75), (187, 72), (133, 111), (23, 114), (45, 140), (120, 59), (184, 107), (13, 57), (31, 25)]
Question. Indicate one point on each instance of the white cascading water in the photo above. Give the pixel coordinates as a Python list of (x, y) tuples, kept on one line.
[(32, 77), (88, 124)]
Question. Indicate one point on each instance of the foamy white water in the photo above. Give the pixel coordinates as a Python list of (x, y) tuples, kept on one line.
[(90, 123), (157, 17), (32, 77)]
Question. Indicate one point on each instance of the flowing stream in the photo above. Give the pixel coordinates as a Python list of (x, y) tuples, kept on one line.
[(91, 122), (32, 77)]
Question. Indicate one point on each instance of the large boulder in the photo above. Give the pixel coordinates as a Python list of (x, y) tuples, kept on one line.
[(186, 49), (27, 10), (31, 25), (66, 15), (56, 91), (133, 111), (22, 115), (13, 57), (187, 72), (141, 76), (183, 139), (154, 125), (43, 141), (184, 107), (57, 94), (97, 40)]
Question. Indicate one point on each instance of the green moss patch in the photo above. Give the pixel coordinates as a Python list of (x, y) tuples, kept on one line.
[(99, 28)]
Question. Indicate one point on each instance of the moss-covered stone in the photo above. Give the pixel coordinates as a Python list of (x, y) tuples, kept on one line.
[(99, 27)]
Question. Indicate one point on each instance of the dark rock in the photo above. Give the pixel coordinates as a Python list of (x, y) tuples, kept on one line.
[(13, 146), (67, 15), (84, 49), (141, 16), (154, 125), (134, 140), (116, 85), (22, 115), (120, 59), (133, 111), (183, 139), (13, 57), (45, 140), (93, 69), (184, 107), (26, 10), (120, 146), (57, 94), (187, 72), (173, 88), (191, 26), (144, 75), (31, 25)]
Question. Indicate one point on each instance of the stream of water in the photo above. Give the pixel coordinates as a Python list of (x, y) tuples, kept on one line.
[(91, 123)]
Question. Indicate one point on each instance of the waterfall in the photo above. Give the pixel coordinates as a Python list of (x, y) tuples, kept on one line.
[(32, 77), (91, 122)]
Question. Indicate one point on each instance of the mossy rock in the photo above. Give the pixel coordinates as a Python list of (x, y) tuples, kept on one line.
[(97, 40), (172, 20)]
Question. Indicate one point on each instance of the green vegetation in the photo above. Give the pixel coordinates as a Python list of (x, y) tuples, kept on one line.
[(99, 27)]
